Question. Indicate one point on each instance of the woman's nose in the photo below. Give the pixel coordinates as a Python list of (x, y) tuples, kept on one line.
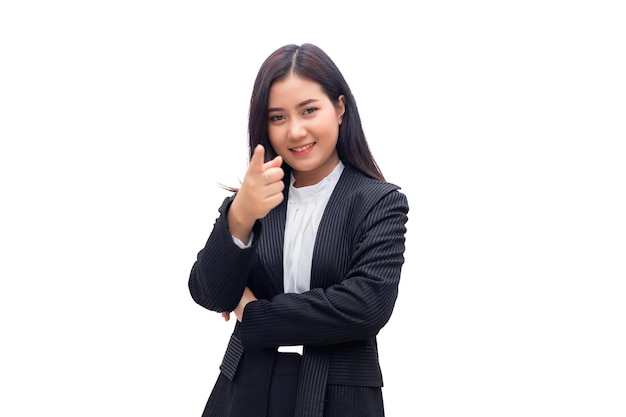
[(296, 129)]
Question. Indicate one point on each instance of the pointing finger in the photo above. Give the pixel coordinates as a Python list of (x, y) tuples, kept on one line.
[(256, 162)]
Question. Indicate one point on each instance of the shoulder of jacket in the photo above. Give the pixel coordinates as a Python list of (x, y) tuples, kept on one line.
[(358, 194), (359, 183)]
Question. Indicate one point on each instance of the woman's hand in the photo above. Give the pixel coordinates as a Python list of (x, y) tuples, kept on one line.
[(260, 191), (247, 296)]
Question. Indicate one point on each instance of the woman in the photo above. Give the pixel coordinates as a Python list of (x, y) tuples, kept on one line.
[(307, 252)]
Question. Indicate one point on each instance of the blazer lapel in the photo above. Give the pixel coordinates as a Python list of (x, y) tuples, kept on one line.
[(328, 250), (271, 252)]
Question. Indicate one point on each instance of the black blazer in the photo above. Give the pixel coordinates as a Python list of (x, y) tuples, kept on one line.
[(357, 262)]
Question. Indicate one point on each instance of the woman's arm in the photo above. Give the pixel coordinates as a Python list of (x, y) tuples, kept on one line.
[(218, 276), (354, 309)]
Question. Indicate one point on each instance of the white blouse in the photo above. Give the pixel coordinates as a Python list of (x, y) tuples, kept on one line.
[(305, 208)]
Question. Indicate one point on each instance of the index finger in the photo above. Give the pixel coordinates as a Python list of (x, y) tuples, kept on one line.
[(256, 162)]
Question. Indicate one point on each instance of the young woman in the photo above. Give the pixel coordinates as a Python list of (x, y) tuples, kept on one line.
[(307, 253)]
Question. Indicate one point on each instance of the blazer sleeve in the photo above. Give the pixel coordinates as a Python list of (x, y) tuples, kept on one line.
[(358, 305), (218, 276)]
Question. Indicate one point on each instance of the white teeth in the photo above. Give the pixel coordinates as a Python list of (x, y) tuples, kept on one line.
[(302, 148)]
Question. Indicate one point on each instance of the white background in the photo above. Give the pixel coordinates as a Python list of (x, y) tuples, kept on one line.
[(504, 123)]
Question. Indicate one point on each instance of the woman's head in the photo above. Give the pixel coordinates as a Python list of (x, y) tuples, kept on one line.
[(310, 63)]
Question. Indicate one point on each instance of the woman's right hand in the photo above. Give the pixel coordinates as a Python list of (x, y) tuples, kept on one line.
[(260, 191)]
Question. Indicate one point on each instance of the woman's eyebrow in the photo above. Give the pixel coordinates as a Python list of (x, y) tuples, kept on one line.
[(302, 104), (307, 102)]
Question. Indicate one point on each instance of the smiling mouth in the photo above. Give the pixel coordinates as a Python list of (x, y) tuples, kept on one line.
[(303, 148)]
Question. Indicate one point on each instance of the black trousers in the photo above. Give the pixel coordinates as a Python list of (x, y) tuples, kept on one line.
[(284, 385)]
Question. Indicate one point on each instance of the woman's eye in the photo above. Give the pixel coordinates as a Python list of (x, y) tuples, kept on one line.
[(309, 110), (276, 118)]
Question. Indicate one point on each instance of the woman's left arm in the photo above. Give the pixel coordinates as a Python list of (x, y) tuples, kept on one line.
[(357, 307)]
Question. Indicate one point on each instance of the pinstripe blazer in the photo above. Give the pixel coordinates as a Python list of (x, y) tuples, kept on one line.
[(356, 268)]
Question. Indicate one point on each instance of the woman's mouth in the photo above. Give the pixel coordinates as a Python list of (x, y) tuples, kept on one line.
[(302, 149)]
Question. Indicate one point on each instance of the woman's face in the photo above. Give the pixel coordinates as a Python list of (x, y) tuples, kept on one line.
[(303, 127)]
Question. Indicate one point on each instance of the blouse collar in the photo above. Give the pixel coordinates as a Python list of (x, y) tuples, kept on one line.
[(314, 192)]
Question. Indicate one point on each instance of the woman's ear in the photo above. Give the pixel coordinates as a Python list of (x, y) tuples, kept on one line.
[(341, 108)]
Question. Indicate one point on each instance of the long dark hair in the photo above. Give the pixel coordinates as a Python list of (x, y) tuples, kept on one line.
[(309, 61)]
